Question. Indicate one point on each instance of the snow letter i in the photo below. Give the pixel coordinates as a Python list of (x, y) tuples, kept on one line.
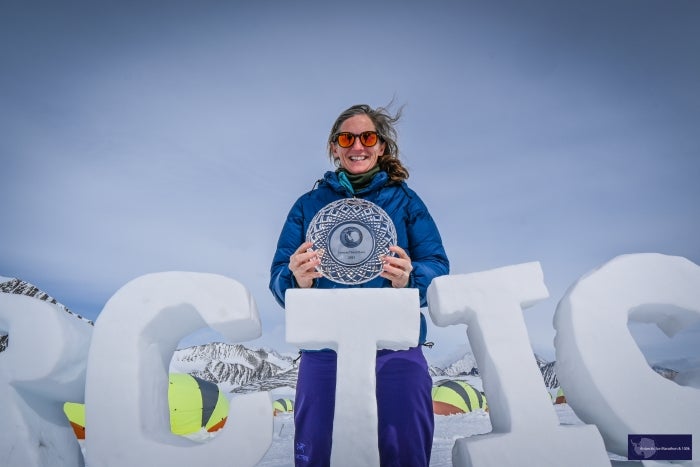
[(526, 429)]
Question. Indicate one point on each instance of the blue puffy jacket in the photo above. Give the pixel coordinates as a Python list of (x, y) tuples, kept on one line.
[(416, 233)]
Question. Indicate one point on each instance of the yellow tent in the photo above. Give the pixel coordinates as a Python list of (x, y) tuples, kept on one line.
[(283, 405), (76, 416), (453, 397), (194, 404), (561, 398)]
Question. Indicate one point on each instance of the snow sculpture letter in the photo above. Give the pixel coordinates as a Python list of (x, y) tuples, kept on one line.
[(388, 319), (126, 400), (43, 366), (525, 426), (604, 374)]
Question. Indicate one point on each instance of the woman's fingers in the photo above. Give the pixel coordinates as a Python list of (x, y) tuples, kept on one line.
[(303, 263), (397, 268)]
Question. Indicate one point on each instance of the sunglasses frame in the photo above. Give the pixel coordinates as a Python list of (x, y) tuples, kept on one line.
[(354, 136)]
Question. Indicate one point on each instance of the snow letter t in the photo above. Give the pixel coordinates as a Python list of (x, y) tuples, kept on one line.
[(355, 323)]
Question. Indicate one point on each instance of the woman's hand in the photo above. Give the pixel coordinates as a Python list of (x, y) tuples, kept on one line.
[(303, 264), (397, 268)]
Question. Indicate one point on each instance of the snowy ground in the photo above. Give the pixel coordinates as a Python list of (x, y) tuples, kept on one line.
[(447, 430)]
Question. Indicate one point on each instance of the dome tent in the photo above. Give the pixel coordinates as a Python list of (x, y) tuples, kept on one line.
[(453, 397), (195, 405), (76, 416), (283, 405), (561, 398)]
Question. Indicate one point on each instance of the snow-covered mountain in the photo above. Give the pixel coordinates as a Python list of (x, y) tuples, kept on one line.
[(665, 372), (238, 369), (233, 366), (465, 366), (548, 373)]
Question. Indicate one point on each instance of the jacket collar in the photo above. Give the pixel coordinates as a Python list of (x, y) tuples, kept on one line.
[(379, 180)]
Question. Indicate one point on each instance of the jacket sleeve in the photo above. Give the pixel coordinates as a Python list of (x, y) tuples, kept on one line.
[(425, 248), (293, 235)]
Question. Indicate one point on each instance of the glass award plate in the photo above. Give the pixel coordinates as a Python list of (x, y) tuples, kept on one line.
[(353, 234)]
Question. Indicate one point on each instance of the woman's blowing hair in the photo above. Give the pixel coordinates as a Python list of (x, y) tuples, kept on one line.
[(384, 124)]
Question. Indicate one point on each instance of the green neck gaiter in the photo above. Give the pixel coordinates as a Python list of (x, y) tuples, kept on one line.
[(357, 181)]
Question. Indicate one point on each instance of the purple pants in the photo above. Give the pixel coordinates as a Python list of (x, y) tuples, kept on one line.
[(404, 407)]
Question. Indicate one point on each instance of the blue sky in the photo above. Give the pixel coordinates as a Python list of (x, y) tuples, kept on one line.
[(152, 136)]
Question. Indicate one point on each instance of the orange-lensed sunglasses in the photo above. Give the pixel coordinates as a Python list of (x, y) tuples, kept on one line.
[(346, 139)]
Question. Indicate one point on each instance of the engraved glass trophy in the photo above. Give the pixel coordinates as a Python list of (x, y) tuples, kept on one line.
[(353, 234)]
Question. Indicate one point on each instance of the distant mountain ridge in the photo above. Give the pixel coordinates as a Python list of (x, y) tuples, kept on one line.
[(465, 366), (238, 369), (232, 366), (548, 372)]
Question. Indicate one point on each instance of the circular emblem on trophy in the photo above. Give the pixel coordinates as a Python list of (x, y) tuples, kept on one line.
[(353, 234)]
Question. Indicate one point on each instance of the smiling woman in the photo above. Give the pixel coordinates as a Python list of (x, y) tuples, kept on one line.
[(358, 142), (362, 144)]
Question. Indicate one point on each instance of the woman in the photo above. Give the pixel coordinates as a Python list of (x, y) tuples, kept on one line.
[(362, 144)]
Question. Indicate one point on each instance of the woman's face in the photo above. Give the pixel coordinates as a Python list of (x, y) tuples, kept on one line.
[(358, 159)]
